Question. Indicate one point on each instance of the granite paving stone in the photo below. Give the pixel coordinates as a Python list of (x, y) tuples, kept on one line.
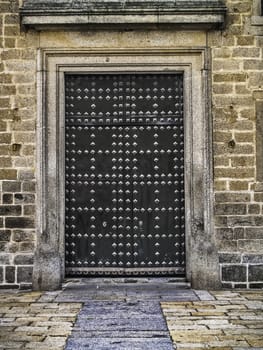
[(120, 343)]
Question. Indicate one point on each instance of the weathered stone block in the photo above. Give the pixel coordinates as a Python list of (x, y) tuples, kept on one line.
[(24, 137), (252, 259), (240, 6), (24, 198), (29, 186), (27, 247), (5, 78), (230, 209), (246, 52), (3, 125), (234, 258), (222, 52), (222, 89), (247, 245), (29, 210), (7, 198), (246, 40), (221, 161), (21, 78), (254, 233), (222, 136), (220, 185), (258, 220), (4, 7), (255, 273), (239, 233), (28, 150), (227, 100), (233, 18), (225, 233), (11, 19), (10, 274), (258, 196), (5, 235), (227, 285), (234, 273), (27, 125), (227, 245), (253, 65), (255, 79), (240, 173), (6, 162), (229, 77), (24, 274), (23, 259), (20, 222), (242, 161), (10, 42), (23, 235), (242, 89), (5, 137), (221, 221), (254, 209), (8, 174), (11, 186), (4, 259), (4, 247), (232, 197), (9, 210), (26, 175), (256, 285), (7, 90), (5, 103), (240, 285), (238, 185)]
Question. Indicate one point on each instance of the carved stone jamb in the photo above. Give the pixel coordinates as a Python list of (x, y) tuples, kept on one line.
[(201, 253)]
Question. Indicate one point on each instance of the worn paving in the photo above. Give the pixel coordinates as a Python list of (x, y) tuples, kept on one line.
[(122, 313), (232, 321), (26, 322), (125, 314)]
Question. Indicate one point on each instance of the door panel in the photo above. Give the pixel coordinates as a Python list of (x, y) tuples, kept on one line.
[(124, 174)]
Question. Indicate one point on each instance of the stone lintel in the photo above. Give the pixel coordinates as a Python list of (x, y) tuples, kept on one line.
[(43, 15)]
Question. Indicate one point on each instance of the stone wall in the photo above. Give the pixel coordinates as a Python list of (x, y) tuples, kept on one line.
[(236, 81), (17, 146), (237, 76)]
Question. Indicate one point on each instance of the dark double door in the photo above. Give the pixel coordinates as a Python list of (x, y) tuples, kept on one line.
[(124, 174)]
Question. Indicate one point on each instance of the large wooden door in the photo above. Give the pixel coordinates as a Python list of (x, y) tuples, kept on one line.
[(124, 174)]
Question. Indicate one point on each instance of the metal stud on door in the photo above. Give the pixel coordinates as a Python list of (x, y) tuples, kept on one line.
[(124, 174)]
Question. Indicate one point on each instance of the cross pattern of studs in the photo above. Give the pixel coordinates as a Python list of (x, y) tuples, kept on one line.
[(125, 171)]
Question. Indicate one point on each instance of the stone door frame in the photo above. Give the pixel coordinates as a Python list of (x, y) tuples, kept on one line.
[(202, 269)]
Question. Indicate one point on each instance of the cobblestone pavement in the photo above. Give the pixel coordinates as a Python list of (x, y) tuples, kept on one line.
[(102, 314), (232, 321)]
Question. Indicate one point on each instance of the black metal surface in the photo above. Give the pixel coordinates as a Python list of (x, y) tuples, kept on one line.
[(124, 173)]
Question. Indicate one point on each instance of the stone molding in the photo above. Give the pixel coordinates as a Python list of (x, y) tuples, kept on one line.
[(202, 14), (258, 97), (202, 259)]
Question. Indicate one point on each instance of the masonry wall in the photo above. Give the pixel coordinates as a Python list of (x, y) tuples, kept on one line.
[(236, 76), (17, 147), (237, 82)]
